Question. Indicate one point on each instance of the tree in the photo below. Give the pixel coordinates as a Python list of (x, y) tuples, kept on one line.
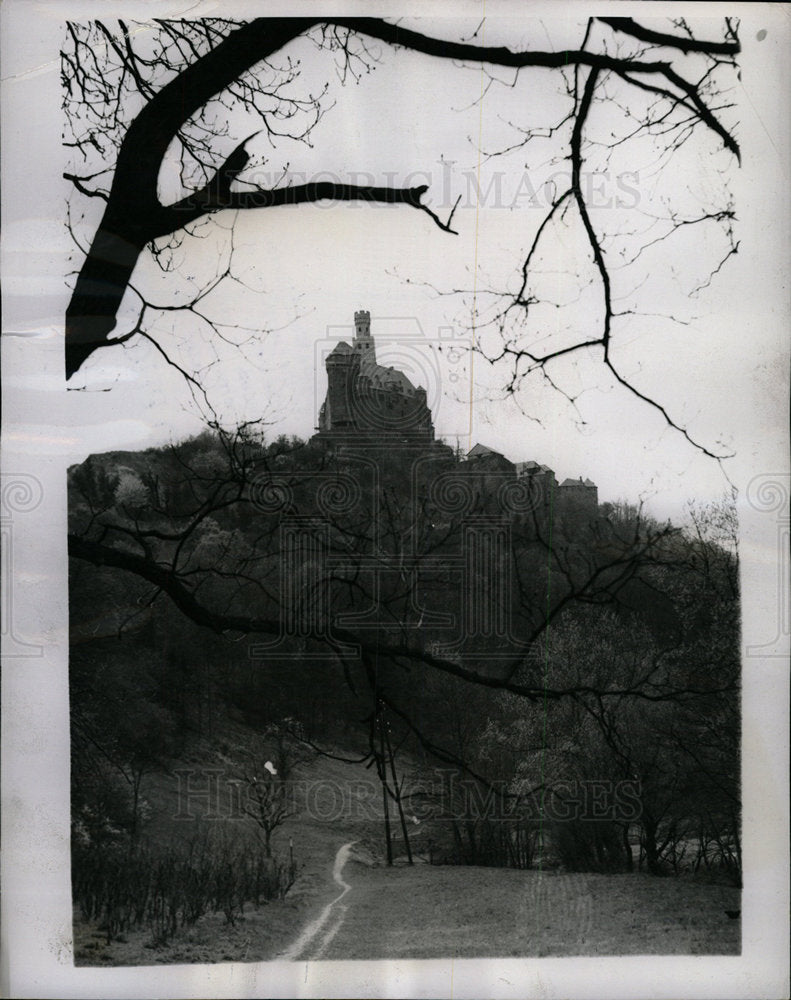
[(268, 793), (117, 725), (270, 542), (683, 752), (133, 95), (708, 734)]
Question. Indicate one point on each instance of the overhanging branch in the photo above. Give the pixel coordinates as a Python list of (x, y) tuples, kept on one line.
[(170, 583)]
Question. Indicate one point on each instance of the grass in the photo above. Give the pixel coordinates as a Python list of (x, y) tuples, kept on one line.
[(441, 912), (263, 933), (422, 912)]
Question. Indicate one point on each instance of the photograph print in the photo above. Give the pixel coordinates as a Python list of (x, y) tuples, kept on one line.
[(413, 407)]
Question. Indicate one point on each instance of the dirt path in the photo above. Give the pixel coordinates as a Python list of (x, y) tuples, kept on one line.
[(331, 910)]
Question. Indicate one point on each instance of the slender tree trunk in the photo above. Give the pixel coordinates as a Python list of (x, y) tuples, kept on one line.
[(650, 845), (134, 829), (383, 778), (459, 844), (735, 820), (397, 790), (470, 828)]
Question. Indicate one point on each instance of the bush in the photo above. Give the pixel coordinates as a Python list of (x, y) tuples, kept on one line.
[(121, 889)]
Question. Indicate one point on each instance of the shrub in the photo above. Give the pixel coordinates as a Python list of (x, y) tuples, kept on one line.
[(120, 889)]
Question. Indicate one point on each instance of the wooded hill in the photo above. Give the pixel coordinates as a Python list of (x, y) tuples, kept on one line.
[(575, 680)]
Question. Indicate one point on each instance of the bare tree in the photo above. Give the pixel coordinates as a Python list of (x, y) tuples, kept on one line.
[(134, 92), (267, 798)]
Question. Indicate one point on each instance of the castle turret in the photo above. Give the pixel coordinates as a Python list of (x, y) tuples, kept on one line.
[(362, 324), (363, 341)]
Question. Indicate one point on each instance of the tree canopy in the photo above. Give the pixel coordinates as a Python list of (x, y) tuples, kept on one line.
[(616, 635)]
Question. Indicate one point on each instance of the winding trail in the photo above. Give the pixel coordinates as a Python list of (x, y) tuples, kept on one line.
[(315, 927)]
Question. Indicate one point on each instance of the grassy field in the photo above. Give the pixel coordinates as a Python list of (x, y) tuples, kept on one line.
[(426, 911), (433, 912)]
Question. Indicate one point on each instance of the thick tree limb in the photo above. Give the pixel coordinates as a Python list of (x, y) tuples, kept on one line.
[(169, 582), (628, 26), (134, 215), (300, 194), (576, 188)]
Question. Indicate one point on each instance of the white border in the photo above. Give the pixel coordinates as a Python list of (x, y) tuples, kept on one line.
[(36, 916)]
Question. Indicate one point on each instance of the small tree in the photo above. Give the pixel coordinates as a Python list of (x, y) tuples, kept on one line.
[(268, 799)]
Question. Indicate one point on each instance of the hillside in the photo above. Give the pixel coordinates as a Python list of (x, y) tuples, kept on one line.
[(524, 692), (426, 911), (316, 833)]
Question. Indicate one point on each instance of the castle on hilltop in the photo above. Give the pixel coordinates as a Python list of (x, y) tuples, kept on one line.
[(366, 400), (373, 405)]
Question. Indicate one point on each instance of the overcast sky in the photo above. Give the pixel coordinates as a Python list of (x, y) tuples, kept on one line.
[(303, 271)]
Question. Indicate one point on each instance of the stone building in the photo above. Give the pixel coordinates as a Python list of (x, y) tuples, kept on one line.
[(483, 457), (541, 475), (377, 406), (368, 401), (578, 496)]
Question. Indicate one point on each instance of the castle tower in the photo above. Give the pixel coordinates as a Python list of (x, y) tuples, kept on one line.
[(363, 341)]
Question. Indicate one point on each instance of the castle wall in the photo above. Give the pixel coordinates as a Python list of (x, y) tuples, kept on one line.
[(338, 410), (578, 499)]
